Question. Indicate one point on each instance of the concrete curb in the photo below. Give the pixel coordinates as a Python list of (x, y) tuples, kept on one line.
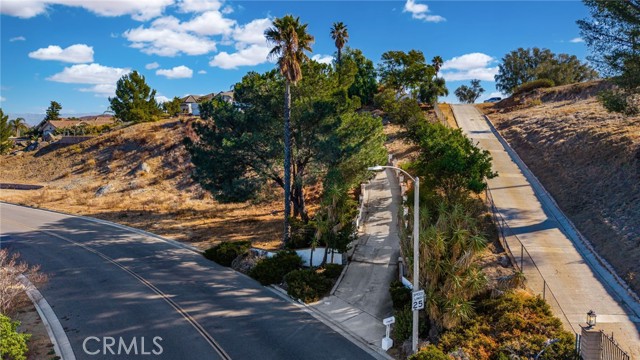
[(335, 326), (58, 337)]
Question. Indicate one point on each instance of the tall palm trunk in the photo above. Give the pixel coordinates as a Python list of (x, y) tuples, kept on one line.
[(287, 161)]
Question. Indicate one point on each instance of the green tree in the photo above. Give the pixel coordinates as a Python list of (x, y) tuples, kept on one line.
[(365, 84), (398, 111), (429, 91), (290, 40), (18, 126), (448, 273), (5, 133), (449, 162), (437, 62), (469, 94), (613, 34), (172, 107), (135, 100), (13, 345), (53, 111), (405, 72), (340, 36), (524, 65)]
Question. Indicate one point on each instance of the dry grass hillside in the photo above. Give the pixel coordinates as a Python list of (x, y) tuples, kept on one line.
[(588, 159), (159, 196)]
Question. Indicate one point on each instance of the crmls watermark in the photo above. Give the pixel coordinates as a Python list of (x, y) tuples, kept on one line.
[(119, 346)]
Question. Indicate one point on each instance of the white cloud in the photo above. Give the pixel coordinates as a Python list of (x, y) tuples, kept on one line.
[(164, 40), (151, 66), (468, 61), (78, 53), (17, 38), (251, 45), (470, 66), (202, 72), (199, 5), (227, 10), (253, 32), (103, 78), (2, 98), (178, 72), (421, 12), (577, 40), (496, 94), (323, 59), (209, 23), (101, 90), (139, 9), (485, 74), (249, 56), (162, 99)]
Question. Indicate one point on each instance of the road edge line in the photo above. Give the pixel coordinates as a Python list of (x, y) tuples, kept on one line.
[(57, 336)]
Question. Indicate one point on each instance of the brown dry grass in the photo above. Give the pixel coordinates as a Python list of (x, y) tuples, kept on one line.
[(165, 201), (589, 160), (448, 114)]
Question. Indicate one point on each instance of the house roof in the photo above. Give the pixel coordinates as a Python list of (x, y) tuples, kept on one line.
[(88, 120), (199, 98)]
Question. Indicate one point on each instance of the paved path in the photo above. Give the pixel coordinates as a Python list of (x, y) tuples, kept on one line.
[(107, 281), (577, 284), (362, 298)]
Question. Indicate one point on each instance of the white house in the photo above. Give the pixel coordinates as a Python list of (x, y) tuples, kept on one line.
[(190, 103)]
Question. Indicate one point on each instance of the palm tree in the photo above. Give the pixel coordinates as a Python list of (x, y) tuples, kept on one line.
[(340, 35), (18, 125), (437, 63), (290, 40)]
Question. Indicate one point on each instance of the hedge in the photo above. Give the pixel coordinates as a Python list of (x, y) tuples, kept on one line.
[(307, 285), (272, 270), (225, 252), (13, 345)]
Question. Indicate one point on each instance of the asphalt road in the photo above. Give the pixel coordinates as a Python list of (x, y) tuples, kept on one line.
[(110, 282), (577, 280)]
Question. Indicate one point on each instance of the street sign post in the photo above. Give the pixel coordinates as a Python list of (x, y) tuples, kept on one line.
[(417, 302), (387, 342)]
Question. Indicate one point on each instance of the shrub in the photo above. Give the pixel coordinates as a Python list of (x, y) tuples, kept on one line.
[(225, 252), (307, 285), (272, 270), (403, 325), (515, 322), (301, 234), (13, 345), (400, 295), (532, 85), (332, 271), (429, 353)]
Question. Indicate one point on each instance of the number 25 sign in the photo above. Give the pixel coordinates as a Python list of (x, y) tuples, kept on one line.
[(417, 302)]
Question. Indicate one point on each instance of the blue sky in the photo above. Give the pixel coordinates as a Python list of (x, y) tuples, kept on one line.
[(74, 51)]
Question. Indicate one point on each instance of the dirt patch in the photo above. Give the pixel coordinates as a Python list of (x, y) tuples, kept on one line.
[(40, 347), (589, 160), (144, 176)]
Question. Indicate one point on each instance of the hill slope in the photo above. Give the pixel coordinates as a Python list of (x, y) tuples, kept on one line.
[(588, 159), (163, 199)]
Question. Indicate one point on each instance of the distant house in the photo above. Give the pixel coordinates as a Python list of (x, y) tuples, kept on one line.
[(190, 103), (50, 126)]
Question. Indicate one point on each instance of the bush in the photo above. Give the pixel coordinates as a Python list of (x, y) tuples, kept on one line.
[(532, 85), (403, 325), (400, 295), (517, 321), (307, 285), (225, 252), (429, 353), (272, 270), (13, 345), (332, 271)]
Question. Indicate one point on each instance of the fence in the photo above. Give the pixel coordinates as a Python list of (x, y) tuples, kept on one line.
[(523, 261), (596, 345)]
